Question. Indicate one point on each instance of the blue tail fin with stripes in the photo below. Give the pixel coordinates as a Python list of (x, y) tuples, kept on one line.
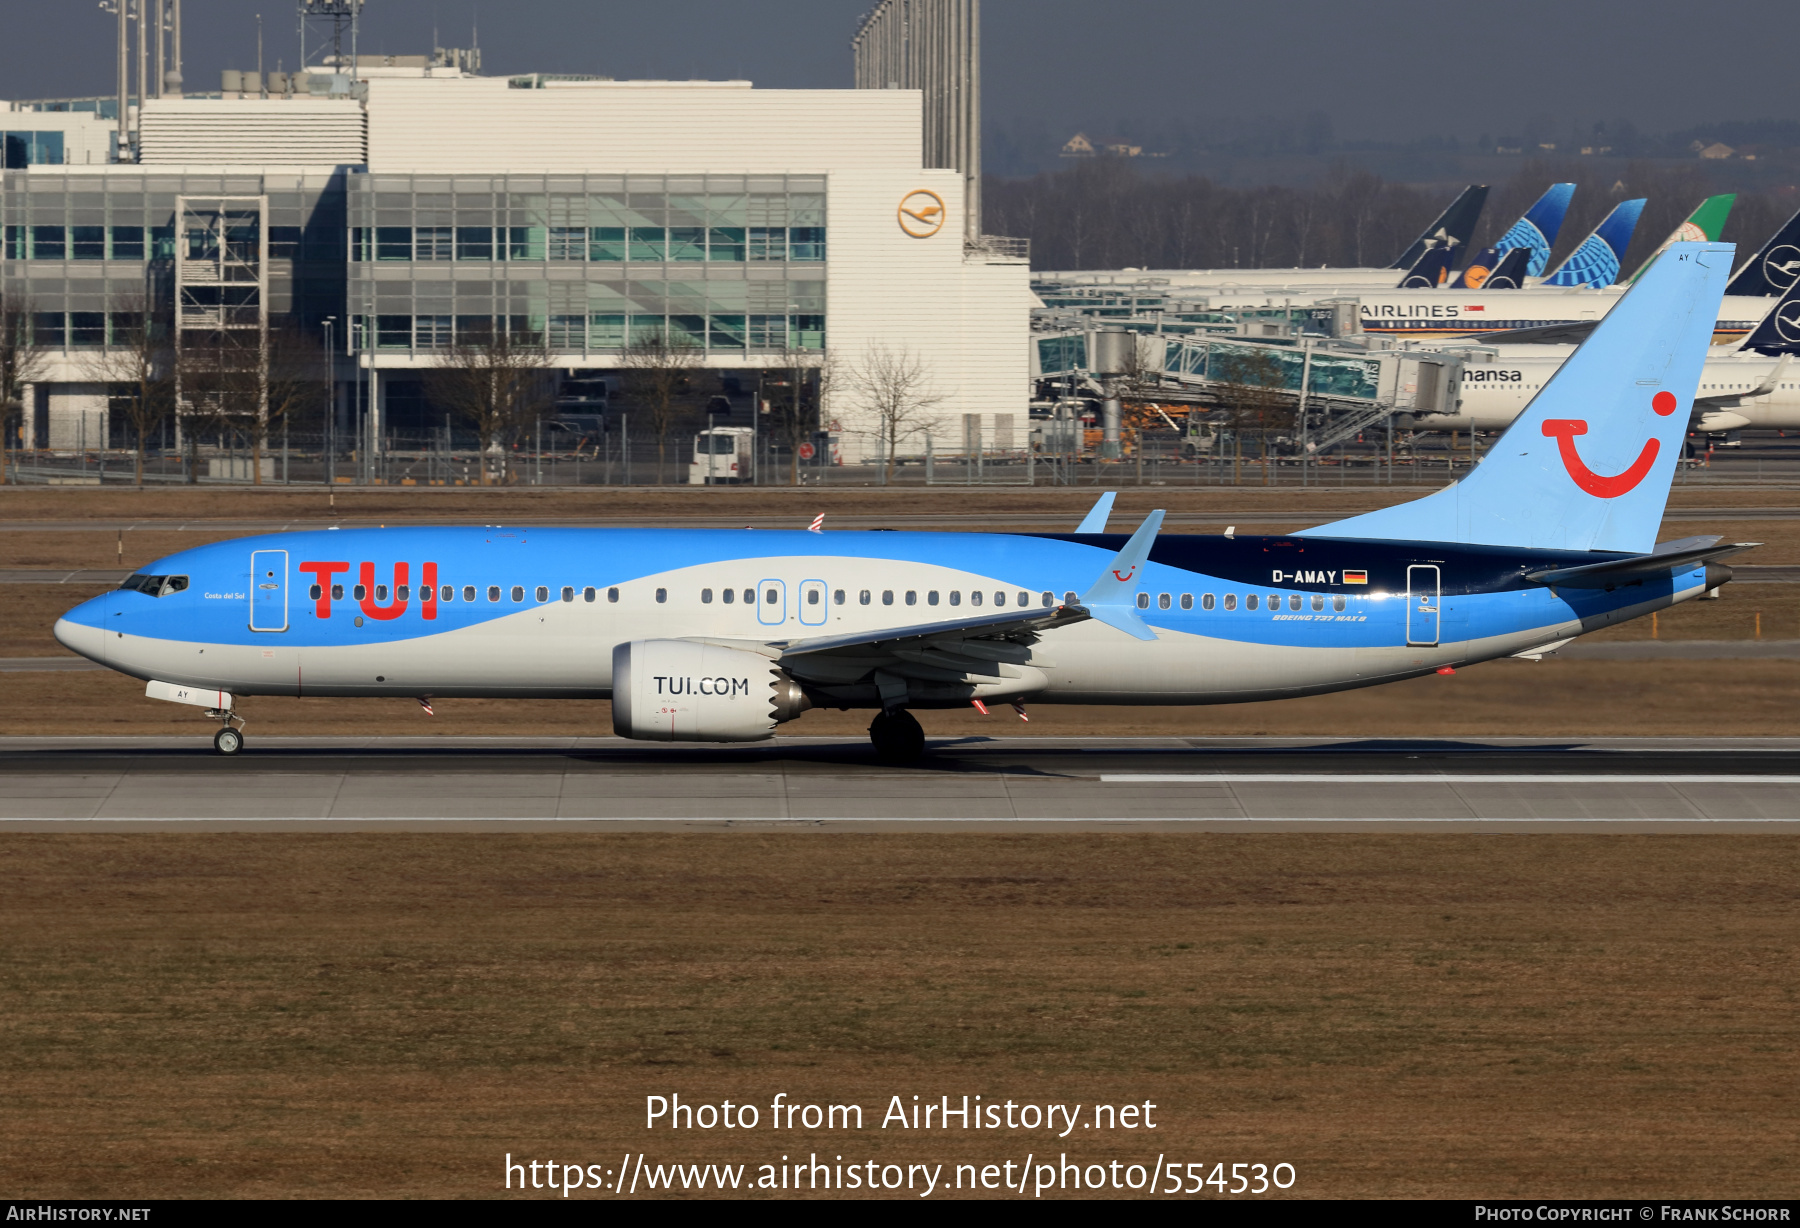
[(1597, 261), (1538, 229), (1587, 466)]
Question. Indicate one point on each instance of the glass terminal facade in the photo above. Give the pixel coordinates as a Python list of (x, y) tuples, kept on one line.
[(729, 264)]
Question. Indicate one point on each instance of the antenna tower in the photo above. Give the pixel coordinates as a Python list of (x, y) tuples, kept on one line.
[(329, 20)]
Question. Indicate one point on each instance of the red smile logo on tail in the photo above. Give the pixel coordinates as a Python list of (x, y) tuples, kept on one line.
[(1601, 486)]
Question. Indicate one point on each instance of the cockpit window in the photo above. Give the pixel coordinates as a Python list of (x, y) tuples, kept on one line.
[(155, 586)]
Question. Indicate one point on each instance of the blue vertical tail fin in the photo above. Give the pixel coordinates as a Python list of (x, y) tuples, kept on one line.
[(1597, 261), (1452, 228), (1432, 270), (1775, 268), (1538, 229), (1587, 466), (1779, 331)]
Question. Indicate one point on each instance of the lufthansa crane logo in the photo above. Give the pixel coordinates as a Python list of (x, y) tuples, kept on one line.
[(921, 213), (1603, 486)]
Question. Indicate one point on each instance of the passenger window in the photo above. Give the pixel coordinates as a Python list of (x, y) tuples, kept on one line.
[(337, 592), (1274, 601), (955, 597), (1049, 600), (1337, 603), (771, 596), (749, 596), (493, 592), (1231, 601), (1187, 601), (837, 598), (862, 598), (812, 596), (1162, 601), (974, 598), (381, 592), (612, 594), (729, 595), (1070, 598), (518, 593), (315, 592), (587, 594), (1143, 601), (706, 596), (543, 592), (662, 595), (468, 592), (1318, 602), (887, 597), (403, 592), (1206, 601), (912, 598), (447, 594), (1000, 599), (568, 593), (1293, 601), (359, 592), (1024, 599), (931, 598)]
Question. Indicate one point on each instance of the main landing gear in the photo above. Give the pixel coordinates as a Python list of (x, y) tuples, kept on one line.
[(230, 738), (897, 736)]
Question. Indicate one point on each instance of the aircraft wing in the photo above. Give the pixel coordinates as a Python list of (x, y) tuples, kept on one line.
[(941, 651), (1570, 332)]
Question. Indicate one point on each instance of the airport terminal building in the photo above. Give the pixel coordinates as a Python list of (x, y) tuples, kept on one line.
[(763, 228)]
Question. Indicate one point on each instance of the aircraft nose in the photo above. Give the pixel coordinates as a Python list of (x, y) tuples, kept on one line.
[(83, 629)]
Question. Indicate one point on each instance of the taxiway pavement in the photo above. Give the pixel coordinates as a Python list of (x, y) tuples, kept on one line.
[(1016, 784)]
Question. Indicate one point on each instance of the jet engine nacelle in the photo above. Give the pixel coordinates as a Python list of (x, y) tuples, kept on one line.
[(677, 691)]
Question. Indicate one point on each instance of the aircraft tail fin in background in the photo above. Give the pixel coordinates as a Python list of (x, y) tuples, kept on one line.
[(1509, 273), (1112, 598), (1703, 225), (1596, 262), (1775, 268), (1587, 466), (1479, 268), (1452, 228), (1432, 270), (1539, 227), (1779, 330)]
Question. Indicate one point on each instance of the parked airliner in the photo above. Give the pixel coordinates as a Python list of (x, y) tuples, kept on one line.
[(720, 636)]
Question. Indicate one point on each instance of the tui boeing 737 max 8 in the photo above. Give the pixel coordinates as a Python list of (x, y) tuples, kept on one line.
[(720, 636)]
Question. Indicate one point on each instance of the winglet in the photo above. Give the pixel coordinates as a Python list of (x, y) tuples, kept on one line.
[(1112, 598), (1095, 520)]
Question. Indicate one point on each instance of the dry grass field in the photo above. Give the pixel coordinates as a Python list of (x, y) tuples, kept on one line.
[(391, 1015)]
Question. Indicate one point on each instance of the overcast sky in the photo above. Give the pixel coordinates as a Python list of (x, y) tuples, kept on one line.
[(1383, 69)]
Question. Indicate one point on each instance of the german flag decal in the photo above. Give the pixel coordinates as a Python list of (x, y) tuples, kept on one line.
[(1356, 577)]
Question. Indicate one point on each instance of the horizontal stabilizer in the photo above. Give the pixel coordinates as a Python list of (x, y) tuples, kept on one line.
[(1681, 555)]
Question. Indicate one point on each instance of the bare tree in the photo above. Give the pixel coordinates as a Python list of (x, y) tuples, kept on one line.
[(659, 370), (21, 363), (298, 391), (138, 368), (1251, 395), (794, 417), (895, 388), (498, 381)]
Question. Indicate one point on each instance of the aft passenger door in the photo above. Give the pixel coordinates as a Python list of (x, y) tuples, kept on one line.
[(1422, 606), (268, 590)]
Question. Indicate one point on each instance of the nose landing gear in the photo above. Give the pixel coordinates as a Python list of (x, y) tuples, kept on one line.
[(896, 736), (230, 739)]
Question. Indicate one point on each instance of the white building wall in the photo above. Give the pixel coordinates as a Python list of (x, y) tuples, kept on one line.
[(966, 318)]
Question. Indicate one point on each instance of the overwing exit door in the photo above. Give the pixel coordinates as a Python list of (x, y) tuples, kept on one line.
[(268, 590), (1422, 606)]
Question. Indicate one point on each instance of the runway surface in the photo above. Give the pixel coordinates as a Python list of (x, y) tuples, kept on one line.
[(1011, 784)]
